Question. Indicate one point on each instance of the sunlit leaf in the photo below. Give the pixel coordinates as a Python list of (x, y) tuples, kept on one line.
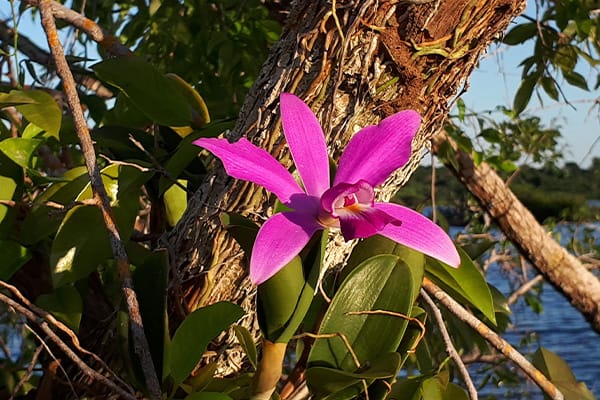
[(175, 199), (19, 150), (245, 338), (194, 334), (380, 283), (154, 94)]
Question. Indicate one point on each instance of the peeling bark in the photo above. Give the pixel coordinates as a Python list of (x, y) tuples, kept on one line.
[(563, 270), (385, 56)]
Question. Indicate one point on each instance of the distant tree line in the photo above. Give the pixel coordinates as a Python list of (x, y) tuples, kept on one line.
[(551, 192)]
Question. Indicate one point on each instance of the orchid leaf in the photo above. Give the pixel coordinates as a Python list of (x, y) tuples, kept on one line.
[(194, 334), (324, 381), (380, 283), (467, 282)]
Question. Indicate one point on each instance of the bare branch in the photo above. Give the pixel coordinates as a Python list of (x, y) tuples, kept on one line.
[(43, 325), (494, 339), (48, 9), (450, 349)]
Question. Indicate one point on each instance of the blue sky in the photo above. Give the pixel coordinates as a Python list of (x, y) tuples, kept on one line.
[(493, 83)]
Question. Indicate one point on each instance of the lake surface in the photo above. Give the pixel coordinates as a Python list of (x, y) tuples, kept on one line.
[(560, 328)]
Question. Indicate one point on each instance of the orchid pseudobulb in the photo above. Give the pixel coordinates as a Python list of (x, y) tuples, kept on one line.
[(348, 204)]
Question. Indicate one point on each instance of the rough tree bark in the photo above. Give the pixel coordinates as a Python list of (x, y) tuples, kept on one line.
[(563, 270), (353, 62)]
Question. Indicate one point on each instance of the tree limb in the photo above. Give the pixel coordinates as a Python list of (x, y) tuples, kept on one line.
[(562, 269), (99, 191), (493, 338)]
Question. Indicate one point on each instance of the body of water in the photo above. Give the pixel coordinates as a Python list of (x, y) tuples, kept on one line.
[(560, 328)]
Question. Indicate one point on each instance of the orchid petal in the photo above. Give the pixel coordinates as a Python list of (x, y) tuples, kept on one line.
[(419, 233), (243, 160), (279, 240), (378, 150), (307, 143), (362, 190), (364, 222)]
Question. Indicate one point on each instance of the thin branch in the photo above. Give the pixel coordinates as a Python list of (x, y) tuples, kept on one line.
[(28, 373), (494, 339), (40, 56), (139, 338), (524, 288), (43, 325), (108, 42), (450, 349)]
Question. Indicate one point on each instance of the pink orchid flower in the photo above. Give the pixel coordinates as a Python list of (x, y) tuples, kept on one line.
[(349, 204)]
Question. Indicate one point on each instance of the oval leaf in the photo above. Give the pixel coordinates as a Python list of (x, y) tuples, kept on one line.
[(380, 283), (194, 334)]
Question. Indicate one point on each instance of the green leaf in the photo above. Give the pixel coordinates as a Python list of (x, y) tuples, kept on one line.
[(157, 96), (382, 282), (80, 245), (150, 277), (278, 299), (524, 93), (65, 304), (559, 373), (377, 245), (11, 186), (521, 33), (208, 396), (37, 106), (194, 334), (175, 199), (245, 338), (576, 79), (19, 150), (465, 281), (549, 87), (12, 257), (324, 381)]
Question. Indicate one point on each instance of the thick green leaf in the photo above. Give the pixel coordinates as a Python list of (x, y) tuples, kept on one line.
[(37, 106), (521, 33), (208, 396), (12, 257), (65, 304), (407, 389), (524, 93), (431, 389), (380, 283), (377, 245), (150, 276), (157, 96), (278, 298), (465, 281), (549, 87), (80, 245), (325, 381), (194, 334), (559, 373), (19, 150), (245, 338)]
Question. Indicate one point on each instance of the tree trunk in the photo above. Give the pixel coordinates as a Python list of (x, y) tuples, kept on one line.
[(354, 65), (579, 285)]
